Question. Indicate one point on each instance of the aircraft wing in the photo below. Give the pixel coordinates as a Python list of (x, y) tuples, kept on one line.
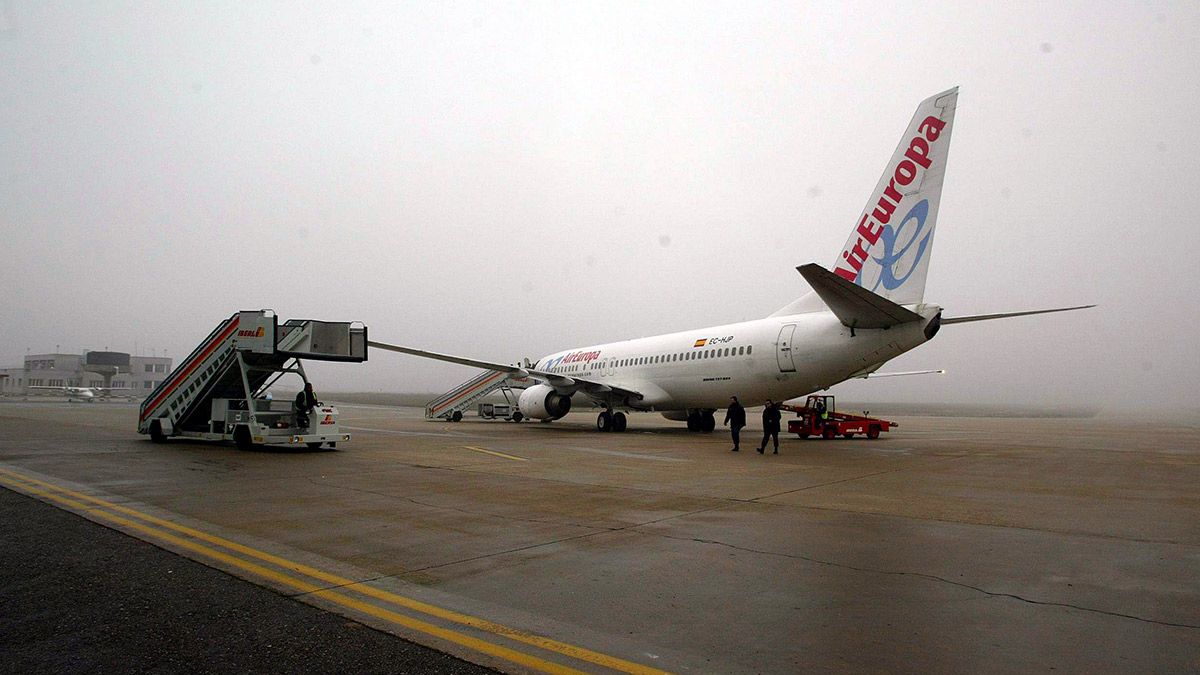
[(562, 382), (54, 388)]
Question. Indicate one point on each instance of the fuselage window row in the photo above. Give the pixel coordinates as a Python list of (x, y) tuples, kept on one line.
[(665, 358)]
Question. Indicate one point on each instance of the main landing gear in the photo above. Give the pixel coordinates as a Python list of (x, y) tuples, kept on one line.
[(610, 421), (701, 420)]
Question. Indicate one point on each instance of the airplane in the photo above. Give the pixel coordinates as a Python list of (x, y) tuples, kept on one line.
[(88, 394), (868, 309)]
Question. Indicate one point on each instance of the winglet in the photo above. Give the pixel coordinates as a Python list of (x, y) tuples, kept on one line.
[(854, 305)]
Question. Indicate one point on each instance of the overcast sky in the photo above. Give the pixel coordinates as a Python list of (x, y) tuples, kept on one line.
[(503, 180)]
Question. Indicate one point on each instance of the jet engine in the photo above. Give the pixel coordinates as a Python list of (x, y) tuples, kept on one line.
[(541, 402)]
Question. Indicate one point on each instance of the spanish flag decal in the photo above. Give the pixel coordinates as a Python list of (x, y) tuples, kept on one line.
[(700, 343)]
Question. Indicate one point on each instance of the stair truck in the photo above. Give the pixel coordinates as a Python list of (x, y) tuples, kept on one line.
[(810, 422), (220, 391)]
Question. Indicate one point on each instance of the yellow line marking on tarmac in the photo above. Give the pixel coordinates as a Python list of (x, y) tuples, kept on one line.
[(26, 483), (493, 452)]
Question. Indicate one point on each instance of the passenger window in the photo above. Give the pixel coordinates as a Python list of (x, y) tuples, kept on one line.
[(748, 349)]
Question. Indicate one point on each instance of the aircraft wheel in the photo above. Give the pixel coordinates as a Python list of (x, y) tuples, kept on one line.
[(604, 421), (693, 422), (456, 416), (829, 432), (156, 432), (873, 431), (619, 422), (708, 423)]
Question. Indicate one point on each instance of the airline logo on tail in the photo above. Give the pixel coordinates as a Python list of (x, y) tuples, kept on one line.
[(904, 241)]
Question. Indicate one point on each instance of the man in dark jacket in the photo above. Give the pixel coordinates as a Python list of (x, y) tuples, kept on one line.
[(770, 419), (735, 419), (306, 400)]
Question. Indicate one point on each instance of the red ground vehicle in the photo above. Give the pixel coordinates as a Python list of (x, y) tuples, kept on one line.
[(810, 421)]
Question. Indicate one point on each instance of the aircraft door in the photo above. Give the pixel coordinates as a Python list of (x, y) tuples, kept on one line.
[(783, 350)]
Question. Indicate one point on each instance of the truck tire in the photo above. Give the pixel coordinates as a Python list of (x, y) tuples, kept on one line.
[(802, 434), (517, 417), (848, 435), (873, 431), (156, 432), (829, 432), (242, 438), (456, 416), (313, 446)]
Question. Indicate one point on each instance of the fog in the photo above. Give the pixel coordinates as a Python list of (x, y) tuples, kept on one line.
[(505, 180)]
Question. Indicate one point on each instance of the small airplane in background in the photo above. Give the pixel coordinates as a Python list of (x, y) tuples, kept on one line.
[(867, 309), (89, 394)]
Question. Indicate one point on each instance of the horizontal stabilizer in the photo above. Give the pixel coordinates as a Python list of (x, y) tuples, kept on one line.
[(854, 305), (988, 317)]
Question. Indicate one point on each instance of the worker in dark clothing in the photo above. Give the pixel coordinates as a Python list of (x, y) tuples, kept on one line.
[(770, 419), (306, 400), (735, 419)]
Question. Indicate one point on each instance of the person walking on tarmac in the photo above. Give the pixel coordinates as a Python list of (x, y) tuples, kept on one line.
[(306, 400), (735, 419), (770, 420)]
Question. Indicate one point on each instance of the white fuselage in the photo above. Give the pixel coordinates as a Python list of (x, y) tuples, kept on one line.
[(778, 358)]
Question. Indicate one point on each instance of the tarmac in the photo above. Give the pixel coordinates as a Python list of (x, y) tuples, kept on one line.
[(949, 545)]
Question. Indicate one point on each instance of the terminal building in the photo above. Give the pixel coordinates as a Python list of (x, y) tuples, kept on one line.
[(134, 376)]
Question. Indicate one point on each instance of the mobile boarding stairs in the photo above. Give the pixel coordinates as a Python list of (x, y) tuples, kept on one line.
[(218, 392), (450, 405)]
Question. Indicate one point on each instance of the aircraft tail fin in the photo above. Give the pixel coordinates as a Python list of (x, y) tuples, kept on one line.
[(888, 249), (855, 306)]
